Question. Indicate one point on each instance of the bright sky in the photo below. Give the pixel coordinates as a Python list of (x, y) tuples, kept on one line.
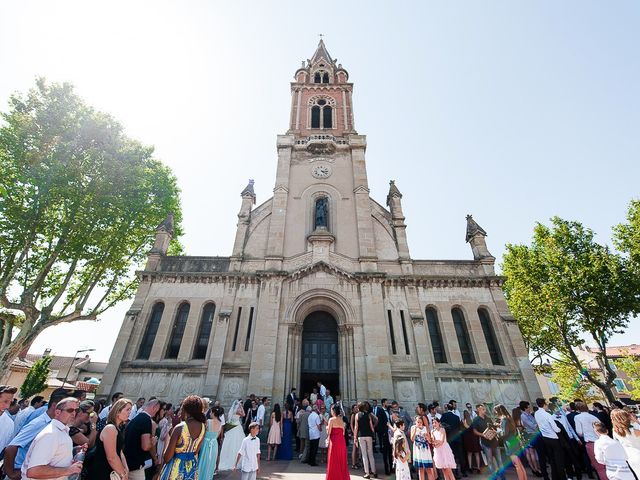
[(513, 111)]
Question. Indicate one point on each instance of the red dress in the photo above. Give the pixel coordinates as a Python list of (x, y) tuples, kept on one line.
[(337, 467)]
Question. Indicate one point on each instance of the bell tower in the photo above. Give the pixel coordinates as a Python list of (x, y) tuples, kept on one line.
[(321, 201)]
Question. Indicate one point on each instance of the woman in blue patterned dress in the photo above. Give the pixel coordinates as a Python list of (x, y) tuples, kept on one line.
[(180, 455), (422, 459)]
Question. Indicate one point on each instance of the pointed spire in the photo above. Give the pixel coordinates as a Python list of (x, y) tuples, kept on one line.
[(248, 190), (321, 52), (166, 225), (473, 229), (393, 191)]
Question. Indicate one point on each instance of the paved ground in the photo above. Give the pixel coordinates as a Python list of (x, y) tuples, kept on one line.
[(294, 470)]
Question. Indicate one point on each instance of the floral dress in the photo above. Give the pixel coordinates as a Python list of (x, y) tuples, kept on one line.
[(184, 464), (421, 451)]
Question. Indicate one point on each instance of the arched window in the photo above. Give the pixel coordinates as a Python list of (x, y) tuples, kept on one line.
[(178, 331), (326, 117), (317, 78), (321, 213), (437, 345), (315, 116), (322, 111), (462, 332), (150, 334), (206, 324), (490, 337), (325, 78)]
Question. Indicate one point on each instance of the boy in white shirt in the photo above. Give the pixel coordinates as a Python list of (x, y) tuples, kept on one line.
[(611, 454), (250, 454)]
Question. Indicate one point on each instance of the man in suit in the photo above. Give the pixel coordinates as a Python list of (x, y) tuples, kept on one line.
[(451, 423), (384, 418), (291, 398)]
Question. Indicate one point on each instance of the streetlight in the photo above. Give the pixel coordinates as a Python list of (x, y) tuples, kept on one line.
[(73, 361)]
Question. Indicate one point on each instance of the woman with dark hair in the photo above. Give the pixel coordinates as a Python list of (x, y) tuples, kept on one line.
[(274, 438), (337, 466), (180, 454), (354, 450), (209, 452), (285, 452), (364, 433), (471, 443), (511, 441)]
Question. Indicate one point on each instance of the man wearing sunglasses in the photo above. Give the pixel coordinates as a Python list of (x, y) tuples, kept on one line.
[(51, 453)]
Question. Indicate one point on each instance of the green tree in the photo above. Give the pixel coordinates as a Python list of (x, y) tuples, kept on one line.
[(36, 379), (565, 288), (572, 383), (630, 365), (79, 202)]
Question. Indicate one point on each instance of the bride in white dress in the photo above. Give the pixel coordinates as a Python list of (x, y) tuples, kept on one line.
[(232, 437)]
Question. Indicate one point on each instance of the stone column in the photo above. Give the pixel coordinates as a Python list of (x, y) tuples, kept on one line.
[(221, 328), (164, 330), (360, 363), (280, 387), (263, 355), (449, 336), (476, 334), (190, 331)]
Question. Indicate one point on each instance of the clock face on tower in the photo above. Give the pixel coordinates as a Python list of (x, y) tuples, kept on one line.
[(321, 171)]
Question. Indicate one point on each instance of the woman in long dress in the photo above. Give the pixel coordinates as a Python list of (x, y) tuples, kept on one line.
[(181, 453), (628, 434), (512, 445), (285, 452), (324, 434), (164, 426), (233, 437), (337, 467), (209, 450), (274, 439)]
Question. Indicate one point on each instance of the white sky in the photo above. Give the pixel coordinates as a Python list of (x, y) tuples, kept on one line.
[(512, 111)]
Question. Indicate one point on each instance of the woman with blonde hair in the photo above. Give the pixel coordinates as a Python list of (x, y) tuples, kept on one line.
[(628, 436), (108, 456), (512, 445)]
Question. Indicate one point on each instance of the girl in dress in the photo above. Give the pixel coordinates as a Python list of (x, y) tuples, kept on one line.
[(402, 457), (337, 467), (421, 438), (209, 452), (274, 438), (181, 453), (442, 454)]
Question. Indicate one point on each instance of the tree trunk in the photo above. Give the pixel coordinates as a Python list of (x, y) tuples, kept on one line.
[(11, 351)]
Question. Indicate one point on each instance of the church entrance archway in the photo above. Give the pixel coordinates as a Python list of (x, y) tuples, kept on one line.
[(320, 355)]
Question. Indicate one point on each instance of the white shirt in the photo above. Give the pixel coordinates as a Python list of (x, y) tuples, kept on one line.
[(457, 413), (584, 426), (430, 418), (473, 414), (323, 391), (222, 420), (134, 412), (612, 455), (21, 417), (314, 426), (52, 446), (249, 451), (260, 415), (105, 412), (546, 424), (562, 418), (6, 429)]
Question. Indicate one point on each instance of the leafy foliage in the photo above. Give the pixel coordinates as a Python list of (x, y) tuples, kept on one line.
[(566, 286), (80, 202), (36, 379), (630, 365), (573, 383)]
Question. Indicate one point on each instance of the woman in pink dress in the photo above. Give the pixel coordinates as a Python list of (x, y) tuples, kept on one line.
[(442, 455), (337, 467)]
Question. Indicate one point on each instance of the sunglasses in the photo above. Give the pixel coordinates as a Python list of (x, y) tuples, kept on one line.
[(71, 410)]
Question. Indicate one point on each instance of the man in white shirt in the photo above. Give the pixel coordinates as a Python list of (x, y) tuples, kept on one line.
[(6, 422), (114, 398), (135, 409), (328, 400), (314, 436), (322, 389), (432, 414), (552, 447), (261, 411), (249, 453), (584, 428), (455, 410), (50, 455), (611, 455)]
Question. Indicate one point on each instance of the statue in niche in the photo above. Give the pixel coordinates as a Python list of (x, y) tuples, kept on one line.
[(321, 216)]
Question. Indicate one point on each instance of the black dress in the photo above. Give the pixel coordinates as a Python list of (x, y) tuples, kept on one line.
[(99, 468)]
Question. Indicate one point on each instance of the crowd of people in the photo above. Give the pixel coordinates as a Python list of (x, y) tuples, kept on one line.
[(71, 437)]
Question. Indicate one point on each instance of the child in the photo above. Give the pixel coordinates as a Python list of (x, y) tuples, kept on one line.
[(611, 454), (442, 454), (402, 457), (250, 453)]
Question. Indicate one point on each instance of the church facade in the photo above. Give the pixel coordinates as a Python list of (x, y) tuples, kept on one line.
[(321, 286)]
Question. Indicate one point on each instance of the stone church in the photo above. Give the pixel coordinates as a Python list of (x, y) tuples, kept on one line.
[(321, 286)]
